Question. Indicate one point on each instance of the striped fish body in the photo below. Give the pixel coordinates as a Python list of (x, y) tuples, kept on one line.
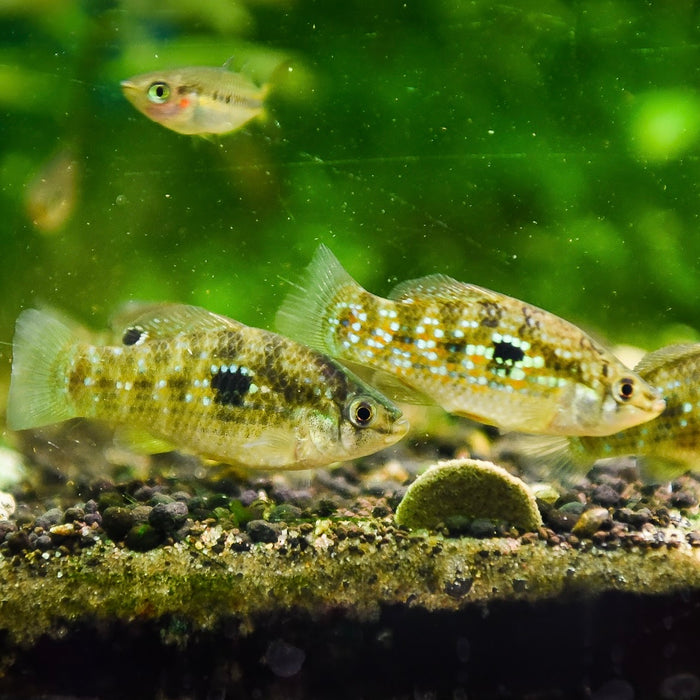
[(475, 352), (196, 100), (202, 382)]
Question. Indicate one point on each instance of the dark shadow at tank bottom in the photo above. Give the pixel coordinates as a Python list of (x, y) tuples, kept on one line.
[(615, 646)]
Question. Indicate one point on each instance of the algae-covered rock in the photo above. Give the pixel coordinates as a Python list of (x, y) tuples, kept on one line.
[(468, 489)]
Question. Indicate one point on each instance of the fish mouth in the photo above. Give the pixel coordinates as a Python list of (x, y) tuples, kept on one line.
[(658, 406), (127, 85), (398, 430)]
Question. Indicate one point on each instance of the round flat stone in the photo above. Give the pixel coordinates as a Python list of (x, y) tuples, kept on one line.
[(468, 488)]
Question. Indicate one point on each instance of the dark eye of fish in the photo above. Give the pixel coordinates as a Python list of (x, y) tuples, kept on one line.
[(625, 389), (361, 413), (159, 93)]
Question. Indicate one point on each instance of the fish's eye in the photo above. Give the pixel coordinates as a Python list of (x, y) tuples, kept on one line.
[(159, 93), (361, 413), (624, 389)]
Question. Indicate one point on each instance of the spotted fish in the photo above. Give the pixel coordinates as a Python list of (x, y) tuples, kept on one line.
[(475, 352), (197, 100), (670, 443), (202, 382)]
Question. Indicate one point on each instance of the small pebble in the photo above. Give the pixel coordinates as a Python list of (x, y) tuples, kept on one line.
[(160, 498), (591, 521), (49, 518), (284, 513), (142, 538), (116, 522), (17, 541), (167, 517), (141, 513), (262, 531), (458, 587), (605, 495), (73, 514), (683, 499)]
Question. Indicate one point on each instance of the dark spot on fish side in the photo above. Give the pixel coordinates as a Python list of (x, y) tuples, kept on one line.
[(132, 335), (228, 99), (231, 387), (507, 353)]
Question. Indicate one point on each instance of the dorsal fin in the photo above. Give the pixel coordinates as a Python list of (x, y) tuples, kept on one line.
[(443, 288), (663, 356), (303, 314), (167, 320)]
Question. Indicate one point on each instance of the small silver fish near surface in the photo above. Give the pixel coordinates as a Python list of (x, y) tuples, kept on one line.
[(197, 100), (670, 443), (187, 378), (472, 351)]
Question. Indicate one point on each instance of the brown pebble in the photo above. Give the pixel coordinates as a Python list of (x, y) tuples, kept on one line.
[(591, 521)]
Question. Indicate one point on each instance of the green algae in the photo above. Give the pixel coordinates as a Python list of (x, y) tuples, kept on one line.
[(374, 567), (468, 489)]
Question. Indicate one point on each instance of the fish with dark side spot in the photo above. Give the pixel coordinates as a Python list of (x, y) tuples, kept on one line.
[(473, 351), (195, 380)]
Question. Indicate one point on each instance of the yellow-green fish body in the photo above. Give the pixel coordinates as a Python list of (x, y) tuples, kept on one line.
[(674, 436), (197, 100), (204, 383), (473, 351)]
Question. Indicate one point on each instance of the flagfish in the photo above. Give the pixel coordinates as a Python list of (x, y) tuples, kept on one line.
[(475, 352), (203, 382), (671, 442), (197, 100)]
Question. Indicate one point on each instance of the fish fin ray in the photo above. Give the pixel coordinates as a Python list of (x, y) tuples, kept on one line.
[(302, 315), (661, 469), (167, 320), (277, 445), (665, 356), (391, 386), (440, 287), (557, 454), (141, 441), (40, 351)]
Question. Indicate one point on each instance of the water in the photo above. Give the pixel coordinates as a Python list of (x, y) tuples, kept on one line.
[(546, 151)]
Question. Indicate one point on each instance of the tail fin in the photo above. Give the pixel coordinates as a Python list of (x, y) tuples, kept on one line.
[(303, 314), (37, 389)]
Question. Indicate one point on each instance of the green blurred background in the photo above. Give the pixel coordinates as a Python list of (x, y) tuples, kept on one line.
[(547, 150)]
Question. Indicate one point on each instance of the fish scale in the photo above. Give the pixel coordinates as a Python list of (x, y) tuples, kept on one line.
[(200, 381), (475, 352)]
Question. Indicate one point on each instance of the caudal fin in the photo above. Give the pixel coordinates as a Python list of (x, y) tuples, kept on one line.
[(37, 386), (303, 315)]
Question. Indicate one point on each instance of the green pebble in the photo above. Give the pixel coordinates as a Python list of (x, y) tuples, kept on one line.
[(468, 488), (142, 538), (116, 522)]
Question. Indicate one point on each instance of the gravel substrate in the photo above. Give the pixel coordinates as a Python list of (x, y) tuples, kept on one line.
[(205, 583)]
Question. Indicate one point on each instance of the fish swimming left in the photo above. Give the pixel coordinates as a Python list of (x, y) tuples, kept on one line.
[(202, 382), (472, 351), (197, 100)]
